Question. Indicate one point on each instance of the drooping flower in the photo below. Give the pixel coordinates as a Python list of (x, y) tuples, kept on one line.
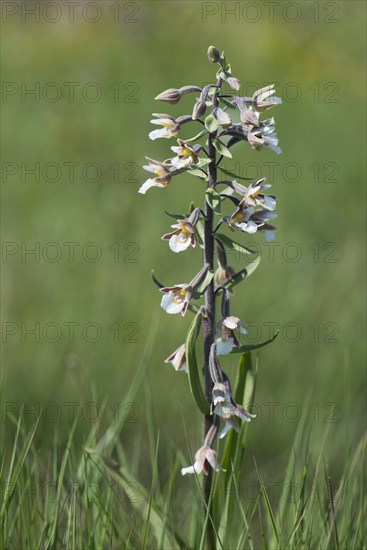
[(186, 155), (263, 136), (253, 195), (222, 117), (178, 359), (261, 217), (205, 457), (170, 126), (224, 405), (241, 219), (227, 338), (162, 178), (246, 218), (176, 299), (264, 98), (184, 234)]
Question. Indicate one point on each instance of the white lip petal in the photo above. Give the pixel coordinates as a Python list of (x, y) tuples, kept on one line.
[(249, 227), (147, 185), (269, 202), (169, 305), (225, 430), (189, 470), (224, 347), (269, 235), (178, 244), (161, 133), (178, 162), (276, 149)]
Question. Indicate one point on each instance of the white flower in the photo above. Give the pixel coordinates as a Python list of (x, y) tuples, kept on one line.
[(240, 219), (205, 457), (264, 136), (170, 127), (186, 155), (224, 405), (182, 237), (178, 359), (264, 98), (161, 180), (227, 338), (253, 195), (176, 299)]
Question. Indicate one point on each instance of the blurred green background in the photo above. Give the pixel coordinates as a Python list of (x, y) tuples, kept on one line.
[(132, 52)]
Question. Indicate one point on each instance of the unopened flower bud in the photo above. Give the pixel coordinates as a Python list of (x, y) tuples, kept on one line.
[(223, 275), (171, 96), (213, 54), (199, 109), (234, 83)]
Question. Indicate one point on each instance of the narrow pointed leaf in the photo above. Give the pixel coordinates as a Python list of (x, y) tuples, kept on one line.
[(200, 234), (243, 274), (198, 136), (250, 347), (175, 216), (194, 379), (232, 245), (228, 103), (201, 288), (142, 503), (222, 149), (232, 174), (267, 504), (213, 198), (155, 280)]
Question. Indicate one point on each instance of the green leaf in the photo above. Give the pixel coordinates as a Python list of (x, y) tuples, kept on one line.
[(201, 288), (267, 504), (232, 245), (200, 234), (226, 102), (222, 149), (197, 173), (250, 347), (175, 216), (144, 505), (155, 280), (211, 123), (198, 136), (243, 274), (203, 162), (194, 379), (213, 198), (229, 173)]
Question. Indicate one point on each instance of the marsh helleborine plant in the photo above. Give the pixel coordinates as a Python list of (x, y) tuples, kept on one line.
[(225, 119)]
